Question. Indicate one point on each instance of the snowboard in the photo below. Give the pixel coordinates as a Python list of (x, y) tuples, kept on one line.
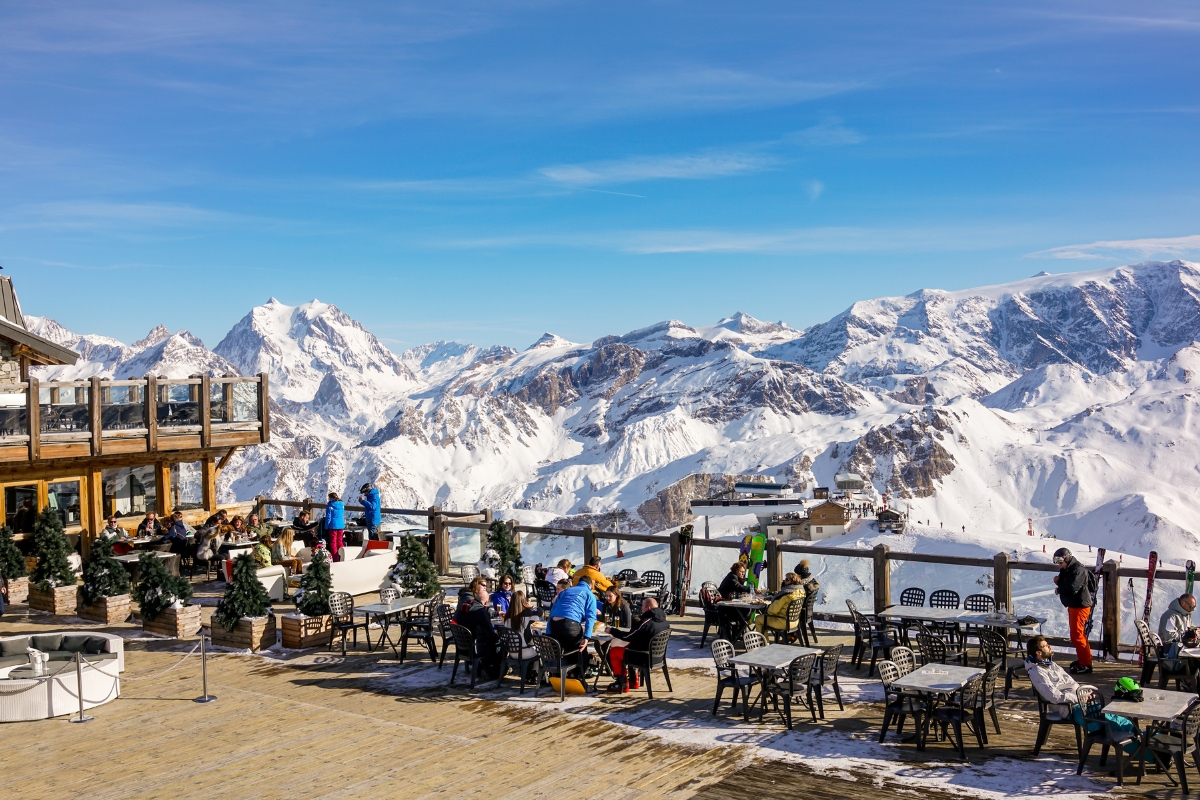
[(753, 551), (1147, 606), (684, 570), (1191, 575)]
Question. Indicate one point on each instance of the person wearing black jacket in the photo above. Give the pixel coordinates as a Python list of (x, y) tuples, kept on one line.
[(473, 615), (733, 621), (653, 621), (1074, 592), (735, 582)]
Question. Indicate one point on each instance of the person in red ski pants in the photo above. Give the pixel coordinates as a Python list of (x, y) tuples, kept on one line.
[(1075, 593)]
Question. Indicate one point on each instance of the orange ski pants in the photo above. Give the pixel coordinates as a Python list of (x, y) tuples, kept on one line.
[(1083, 651)]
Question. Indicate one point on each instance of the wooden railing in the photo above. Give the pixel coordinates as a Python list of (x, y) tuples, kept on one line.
[(72, 419), (440, 522)]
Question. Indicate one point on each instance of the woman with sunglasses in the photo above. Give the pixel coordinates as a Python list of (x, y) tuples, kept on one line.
[(502, 597)]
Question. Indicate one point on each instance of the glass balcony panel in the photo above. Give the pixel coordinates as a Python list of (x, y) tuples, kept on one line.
[(122, 408), (245, 402), (179, 405), (63, 409), (14, 413), (218, 408)]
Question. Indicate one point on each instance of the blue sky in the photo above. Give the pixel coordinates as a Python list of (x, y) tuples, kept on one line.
[(488, 171)]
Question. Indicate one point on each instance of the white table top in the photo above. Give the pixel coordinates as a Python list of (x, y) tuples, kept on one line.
[(752, 605), (1190, 652), (403, 604), (1158, 705), (773, 656), (132, 558), (926, 614), (634, 591), (944, 678)]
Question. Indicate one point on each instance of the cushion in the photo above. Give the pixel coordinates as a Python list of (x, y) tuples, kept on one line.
[(96, 645), (74, 642), (15, 646), (46, 642), (61, 655), (13, 661)]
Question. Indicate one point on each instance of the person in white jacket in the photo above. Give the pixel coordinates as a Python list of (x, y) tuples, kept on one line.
[(1054, 685), (1175, 622)]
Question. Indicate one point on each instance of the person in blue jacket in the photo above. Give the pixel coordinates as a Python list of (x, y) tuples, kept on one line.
[(335, 524), (370, 503)]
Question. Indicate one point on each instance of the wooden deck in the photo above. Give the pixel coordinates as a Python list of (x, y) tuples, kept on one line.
[(317, 725)]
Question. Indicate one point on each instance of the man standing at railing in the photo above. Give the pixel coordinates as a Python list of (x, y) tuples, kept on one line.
[(369, 497), (1075, 593)]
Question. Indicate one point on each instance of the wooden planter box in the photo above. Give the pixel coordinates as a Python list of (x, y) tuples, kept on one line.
[(18, 590), (60, 601), (109, 610), (178, 623), (251, 634), (300, 632)]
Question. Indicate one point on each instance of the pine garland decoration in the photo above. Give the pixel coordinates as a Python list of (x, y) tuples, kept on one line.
[(12, 563), (415, 573), (315, 586), (245, 596), (103, 575), (508, 555), (53, 569), (158, 589)]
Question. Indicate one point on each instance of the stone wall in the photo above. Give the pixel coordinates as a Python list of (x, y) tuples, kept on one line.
[(10, 367)]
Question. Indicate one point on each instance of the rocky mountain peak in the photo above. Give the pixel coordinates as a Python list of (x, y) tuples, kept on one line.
[(744, 323), (547, 341), (158, 334)]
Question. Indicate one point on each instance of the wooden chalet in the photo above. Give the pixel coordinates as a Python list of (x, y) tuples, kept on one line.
[(91, 448), (887, 519)]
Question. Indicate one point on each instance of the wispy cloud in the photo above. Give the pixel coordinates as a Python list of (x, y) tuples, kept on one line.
[(645, 168), (1121, 248)]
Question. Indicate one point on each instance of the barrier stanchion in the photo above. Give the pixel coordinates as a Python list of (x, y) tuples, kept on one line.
[(206, 698), (79, 678)]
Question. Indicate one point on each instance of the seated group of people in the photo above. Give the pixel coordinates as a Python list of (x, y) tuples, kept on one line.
[(797, 585), (571, 620)]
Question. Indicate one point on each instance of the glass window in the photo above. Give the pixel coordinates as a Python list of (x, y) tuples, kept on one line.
[(130, 490), (186, 486), (20, 506), (14, 413), (63, 496), (64, 409)]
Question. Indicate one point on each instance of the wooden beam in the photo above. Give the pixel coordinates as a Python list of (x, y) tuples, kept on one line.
[(93, 509), (95, 398), (882, 577), (225, 459), (162, 487), (208, 484), (1111, 607), (152, 413), (1002, 581), (264, 408), (33, 414), (205, 412)]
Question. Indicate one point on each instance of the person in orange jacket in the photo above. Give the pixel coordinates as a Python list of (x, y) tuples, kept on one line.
[(592, 570)]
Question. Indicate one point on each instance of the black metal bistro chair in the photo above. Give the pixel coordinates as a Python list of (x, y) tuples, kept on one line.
[(962, 708), (936, 650), (550, 662), (341, 611), (825, 674), (646, 661), (1175, 743), (464, 650), (421, 626), (445, 616), (898, 704), (627, 575), (1098, 730), (808, 626), (794, 684), (709, 596), (868, 637), (516, 654)]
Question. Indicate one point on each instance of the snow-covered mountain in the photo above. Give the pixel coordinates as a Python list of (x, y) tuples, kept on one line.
[(1068, 399)]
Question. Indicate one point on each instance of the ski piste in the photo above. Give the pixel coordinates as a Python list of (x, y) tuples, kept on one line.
[(684, 570), (1150, 569), (1091, 620)]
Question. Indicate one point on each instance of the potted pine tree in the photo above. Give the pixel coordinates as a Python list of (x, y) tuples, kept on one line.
[(53, 578), (507, 556), (309, 626), (104, 595), (163, 600), (414, 573), (243, 618), (12, 567)]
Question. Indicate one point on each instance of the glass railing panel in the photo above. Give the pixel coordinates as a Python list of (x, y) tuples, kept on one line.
[(179, 404), (122, 408), (14, 412), (245, 402), (63, 408)]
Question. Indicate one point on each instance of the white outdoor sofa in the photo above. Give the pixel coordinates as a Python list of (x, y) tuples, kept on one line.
[(25, 699), (359, 574)]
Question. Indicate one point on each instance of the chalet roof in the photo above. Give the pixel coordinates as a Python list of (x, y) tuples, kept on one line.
[(26, 344), (831, 503), (887, 512)]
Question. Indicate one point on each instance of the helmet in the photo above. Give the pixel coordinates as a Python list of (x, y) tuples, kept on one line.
[(366, 487), (1062, 552)]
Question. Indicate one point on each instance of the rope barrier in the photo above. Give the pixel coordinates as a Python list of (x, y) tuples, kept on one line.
[(144, 677)]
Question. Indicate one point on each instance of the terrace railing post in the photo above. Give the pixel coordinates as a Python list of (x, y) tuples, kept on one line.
[(151, 413), (264, 407), (591, 547), (307, 506), (441, 541), (774, 565), (260, 503), (1112, 608), (1002, 581), (675, 549), (94, 400), (205, 411), (32, 414), (515, 534), (881, 574)]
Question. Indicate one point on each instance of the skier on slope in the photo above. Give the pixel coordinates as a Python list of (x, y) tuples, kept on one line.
[(1074, 592)]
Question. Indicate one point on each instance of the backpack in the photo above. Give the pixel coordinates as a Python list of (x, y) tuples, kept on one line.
[(1093, 583)]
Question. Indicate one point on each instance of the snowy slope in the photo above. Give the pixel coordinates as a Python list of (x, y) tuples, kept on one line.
[(1067, 399)]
